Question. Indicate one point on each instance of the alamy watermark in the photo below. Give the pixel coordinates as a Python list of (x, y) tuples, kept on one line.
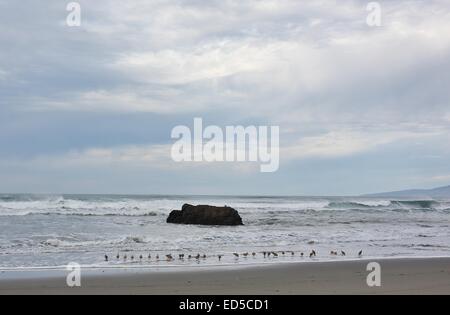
[(374, 277), (74, 17), (231, 144), (374, 17), (73, 279)]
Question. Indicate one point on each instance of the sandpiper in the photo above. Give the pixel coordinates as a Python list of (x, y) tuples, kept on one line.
[(132, 257), (274, 254), (342, 253), (106, 258), (360, 253), (118, 256), (245, 254), (169, 257), (253, 254), (236, 255), (220, 257)]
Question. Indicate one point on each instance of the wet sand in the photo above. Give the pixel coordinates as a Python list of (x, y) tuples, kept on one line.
[(398, 276)]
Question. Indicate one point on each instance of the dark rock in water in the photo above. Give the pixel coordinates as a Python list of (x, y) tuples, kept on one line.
[(205, 215)]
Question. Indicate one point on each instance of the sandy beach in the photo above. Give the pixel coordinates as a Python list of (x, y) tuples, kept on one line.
[(399, 276)]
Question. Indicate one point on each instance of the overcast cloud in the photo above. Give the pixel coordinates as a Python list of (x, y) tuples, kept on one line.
[(90, 109)]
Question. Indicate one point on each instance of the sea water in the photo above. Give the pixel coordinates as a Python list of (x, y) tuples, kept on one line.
[(53, 230)]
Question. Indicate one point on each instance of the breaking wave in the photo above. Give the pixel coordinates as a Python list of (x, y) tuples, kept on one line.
[(129, 206)]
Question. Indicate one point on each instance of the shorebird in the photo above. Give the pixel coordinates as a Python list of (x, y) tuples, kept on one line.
[(132, 257), (169, 257), (314, 253), (220, 257), (292, 253), (197, 257), (106, 258), (204, 256), (360, 253), (236, 255), (181, 256), (253, 254), (275, 254), (141, 257), (302, 254), (245, 255), (265, 254), (283, 253), (118, 256), (342, 253), (149, 256), (190, 257), (157, 257), (125, 257)]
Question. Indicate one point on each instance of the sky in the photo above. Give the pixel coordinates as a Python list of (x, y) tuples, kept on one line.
[(90, 109)]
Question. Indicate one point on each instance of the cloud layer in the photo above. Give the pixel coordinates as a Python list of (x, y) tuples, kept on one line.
[(109, 92)]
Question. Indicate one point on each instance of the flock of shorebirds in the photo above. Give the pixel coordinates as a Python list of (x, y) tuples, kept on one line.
[(198, 257)]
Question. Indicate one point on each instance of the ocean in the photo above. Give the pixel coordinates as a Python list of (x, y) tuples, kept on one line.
[(53, 230)]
